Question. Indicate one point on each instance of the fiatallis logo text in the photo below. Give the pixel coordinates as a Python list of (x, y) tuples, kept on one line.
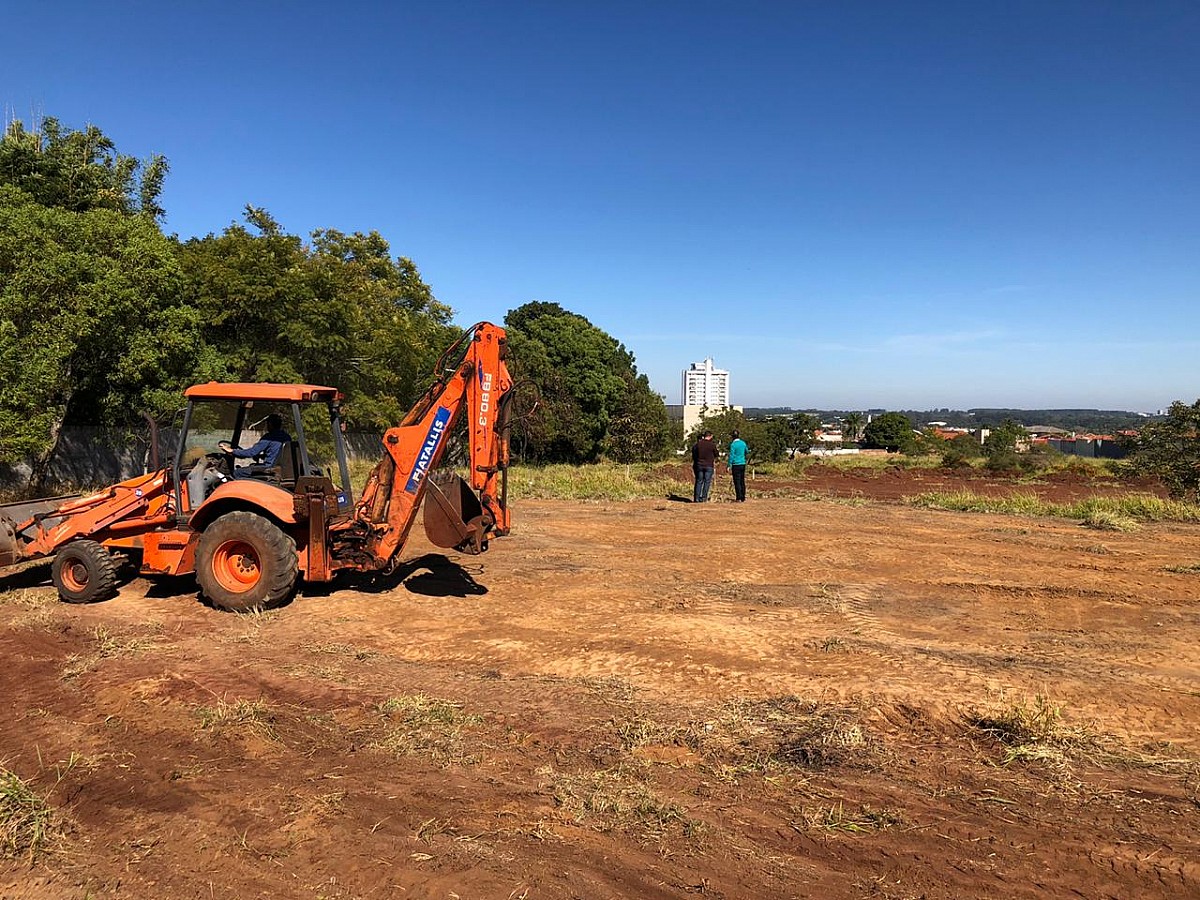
[(425, 457)]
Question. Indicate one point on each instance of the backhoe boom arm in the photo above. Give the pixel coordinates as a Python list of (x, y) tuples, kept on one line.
[(478, 386)]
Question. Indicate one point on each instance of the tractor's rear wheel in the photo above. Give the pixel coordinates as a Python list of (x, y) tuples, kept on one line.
[(245, 562), (84, 572)]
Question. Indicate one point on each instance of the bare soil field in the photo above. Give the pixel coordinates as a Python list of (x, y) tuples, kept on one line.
[(791, 697)]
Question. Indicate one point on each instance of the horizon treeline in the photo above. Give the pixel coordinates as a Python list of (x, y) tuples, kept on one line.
[(1091, 420)]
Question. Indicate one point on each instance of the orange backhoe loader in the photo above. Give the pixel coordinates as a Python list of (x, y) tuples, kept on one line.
[(249, 532)]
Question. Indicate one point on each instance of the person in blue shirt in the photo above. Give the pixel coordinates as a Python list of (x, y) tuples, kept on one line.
[(737, 466), (265, 452)]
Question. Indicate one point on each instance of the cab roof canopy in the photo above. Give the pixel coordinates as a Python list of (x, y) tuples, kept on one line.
[(253, 390)]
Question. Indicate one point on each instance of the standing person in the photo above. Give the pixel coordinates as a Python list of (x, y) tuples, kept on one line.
[(706, 463), (737, 466)]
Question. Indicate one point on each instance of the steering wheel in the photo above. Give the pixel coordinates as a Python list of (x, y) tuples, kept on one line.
[(226, 446)]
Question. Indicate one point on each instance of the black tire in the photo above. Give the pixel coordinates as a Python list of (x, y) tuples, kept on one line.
[(84, 572), (245, 562)]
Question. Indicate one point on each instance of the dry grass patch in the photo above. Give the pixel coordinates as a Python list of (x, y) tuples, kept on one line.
[(617, 799), (246, 716), (1191, 569), (1109, 513), (360, 654), (836, 817), (765, 737), (108, 645), (1034, 732), (26, 820), (417, 725), (598, 481), (29, 598)]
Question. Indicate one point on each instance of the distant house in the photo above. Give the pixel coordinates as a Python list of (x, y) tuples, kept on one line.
[(1040, 431), (1091, 446)]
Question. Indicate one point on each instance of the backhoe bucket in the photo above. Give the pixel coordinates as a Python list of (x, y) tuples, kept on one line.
[(452, 513)]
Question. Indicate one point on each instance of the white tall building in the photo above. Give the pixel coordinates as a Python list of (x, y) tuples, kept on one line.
[(704, 385)]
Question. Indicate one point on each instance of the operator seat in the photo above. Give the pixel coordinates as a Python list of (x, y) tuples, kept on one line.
[(287, 465)]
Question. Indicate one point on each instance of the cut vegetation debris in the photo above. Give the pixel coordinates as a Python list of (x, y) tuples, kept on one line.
[(617, 799), (764, 737), (1033, 731)]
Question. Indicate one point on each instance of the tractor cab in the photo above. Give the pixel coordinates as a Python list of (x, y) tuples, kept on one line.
[(257, 433)]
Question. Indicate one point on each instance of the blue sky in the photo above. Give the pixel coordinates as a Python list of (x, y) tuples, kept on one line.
[(847, 204)]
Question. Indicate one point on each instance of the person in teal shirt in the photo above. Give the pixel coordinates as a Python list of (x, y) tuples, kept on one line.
[(737, 466)]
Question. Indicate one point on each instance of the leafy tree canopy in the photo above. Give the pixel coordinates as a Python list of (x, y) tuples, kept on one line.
[(768, 439), (339, 310), (592, 400), (891, 431), (79, 170), (1004, 438), (1170, 449), (92, 322)]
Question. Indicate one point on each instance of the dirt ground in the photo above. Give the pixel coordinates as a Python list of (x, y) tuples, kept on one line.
[(791, 697)]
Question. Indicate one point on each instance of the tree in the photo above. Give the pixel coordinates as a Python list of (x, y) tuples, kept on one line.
[(1004, 439), (891, 431), (592, 401), (337, 311), (852, 423), (960, 450), (92, 323), (799, 432), (1170, 450), (640, 428), (769, 439), (79, 170)]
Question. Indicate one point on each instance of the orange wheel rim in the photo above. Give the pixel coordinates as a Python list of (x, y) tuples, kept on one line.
[(236, 566), (75, 576)]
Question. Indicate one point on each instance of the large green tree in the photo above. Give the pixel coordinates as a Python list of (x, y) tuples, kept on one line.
[(336, 310), (889, 431), (592, 401), (79, 170), (1170, 449), (103, 319), (92, 324)]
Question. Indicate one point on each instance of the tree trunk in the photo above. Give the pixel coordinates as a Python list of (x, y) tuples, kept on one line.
[(41, 463)]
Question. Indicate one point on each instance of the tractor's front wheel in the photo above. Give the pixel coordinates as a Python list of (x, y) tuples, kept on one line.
[(84, 572), (245, 562)]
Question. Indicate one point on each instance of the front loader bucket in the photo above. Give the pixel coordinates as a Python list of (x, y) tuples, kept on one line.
[(13, 515), (8, 541), (453, 515)]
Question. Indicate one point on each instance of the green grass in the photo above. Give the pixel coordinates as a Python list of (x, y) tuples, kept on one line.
[(597, 481), (25, 818), (1111, 513)]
